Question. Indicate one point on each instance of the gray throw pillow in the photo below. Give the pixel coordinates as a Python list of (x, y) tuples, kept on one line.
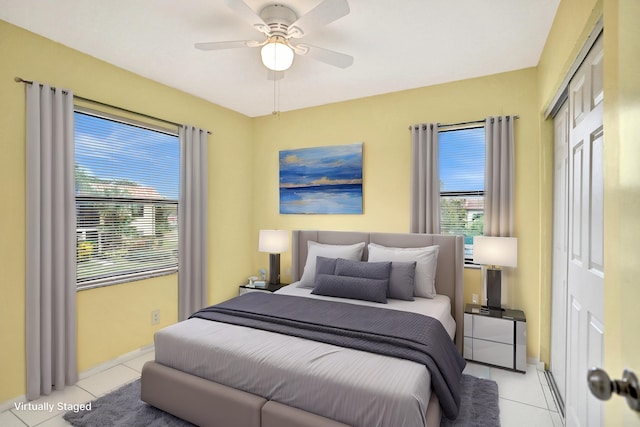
[(401, 280), (367, 270), (426, 264), (351, 287), (325, 265)]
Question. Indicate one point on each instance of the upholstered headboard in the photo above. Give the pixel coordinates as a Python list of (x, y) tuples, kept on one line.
[(449, 272)]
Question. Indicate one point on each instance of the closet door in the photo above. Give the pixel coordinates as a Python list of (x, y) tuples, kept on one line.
[(558, 365), (585, 272)]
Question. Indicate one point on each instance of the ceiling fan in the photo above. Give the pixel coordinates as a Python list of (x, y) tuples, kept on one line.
[(280, 25)]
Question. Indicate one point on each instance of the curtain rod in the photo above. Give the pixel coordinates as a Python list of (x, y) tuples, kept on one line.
[(104, 104), (473, 122)]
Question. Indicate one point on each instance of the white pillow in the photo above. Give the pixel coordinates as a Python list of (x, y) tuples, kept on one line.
[(426, 262), (315, 249)]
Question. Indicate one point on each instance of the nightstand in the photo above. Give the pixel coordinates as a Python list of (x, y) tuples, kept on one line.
[(250, 288), (495, 337)]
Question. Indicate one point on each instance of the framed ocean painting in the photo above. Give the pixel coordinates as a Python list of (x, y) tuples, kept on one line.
[(321, 180)]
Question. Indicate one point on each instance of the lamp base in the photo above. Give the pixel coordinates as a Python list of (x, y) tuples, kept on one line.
[(274, 269), (494, 289)]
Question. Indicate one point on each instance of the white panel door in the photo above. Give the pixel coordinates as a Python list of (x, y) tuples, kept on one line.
[(558, 365), (585, 270)]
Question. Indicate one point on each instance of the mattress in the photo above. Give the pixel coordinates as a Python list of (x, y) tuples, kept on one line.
[(350, 386)]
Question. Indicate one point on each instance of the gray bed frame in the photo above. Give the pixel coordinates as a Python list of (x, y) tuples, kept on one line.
[(207, 403)]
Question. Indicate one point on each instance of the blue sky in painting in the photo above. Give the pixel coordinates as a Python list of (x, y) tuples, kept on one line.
[(330, 165), (462, 155)]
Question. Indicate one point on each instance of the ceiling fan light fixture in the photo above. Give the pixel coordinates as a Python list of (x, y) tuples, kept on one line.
[(276, 54)]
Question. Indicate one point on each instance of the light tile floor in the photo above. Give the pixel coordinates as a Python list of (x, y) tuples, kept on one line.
[(525, 399), (99, 382)]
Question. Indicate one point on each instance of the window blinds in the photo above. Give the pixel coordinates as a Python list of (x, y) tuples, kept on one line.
[(462, 166), (127, 183)]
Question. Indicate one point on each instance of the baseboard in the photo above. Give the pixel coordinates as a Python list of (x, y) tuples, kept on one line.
[(115, 362), (536, 362), (10, 404)]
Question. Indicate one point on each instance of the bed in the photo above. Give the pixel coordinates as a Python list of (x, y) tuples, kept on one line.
[(216, 374)]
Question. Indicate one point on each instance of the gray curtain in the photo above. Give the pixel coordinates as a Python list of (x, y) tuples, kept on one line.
[(425, 179), (499, 177), (192, 217), (51, 241)]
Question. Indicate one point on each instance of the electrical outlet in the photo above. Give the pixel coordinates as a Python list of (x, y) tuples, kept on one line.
[(475, 298), (155, 317)]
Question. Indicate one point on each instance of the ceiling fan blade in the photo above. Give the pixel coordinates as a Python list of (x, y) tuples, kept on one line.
[(337, 59), (226, 45), (249, 15), (321, 15)]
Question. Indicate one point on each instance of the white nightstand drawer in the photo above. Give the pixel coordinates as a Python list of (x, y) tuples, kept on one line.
[(493, 329), (467, 349), (493, 353), (468, 325)]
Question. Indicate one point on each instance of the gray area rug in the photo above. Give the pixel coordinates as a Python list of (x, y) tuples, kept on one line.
[(478, 404), (123, 407)]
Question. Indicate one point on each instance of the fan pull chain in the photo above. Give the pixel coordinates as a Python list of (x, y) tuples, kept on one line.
[(276, 97)]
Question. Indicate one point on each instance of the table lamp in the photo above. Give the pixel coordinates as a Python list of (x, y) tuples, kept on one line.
[(274, 242), (495, 252)]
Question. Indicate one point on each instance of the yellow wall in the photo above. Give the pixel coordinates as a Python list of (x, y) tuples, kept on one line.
[(381, 123), (572, 24), (117, 319), (622, 197), (108, 327)]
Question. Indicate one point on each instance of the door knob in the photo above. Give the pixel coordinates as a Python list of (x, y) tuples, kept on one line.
[(602, 387)]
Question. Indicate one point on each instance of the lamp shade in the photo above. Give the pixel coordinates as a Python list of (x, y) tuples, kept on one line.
[(276, 55), (500, 251), (273, 241)]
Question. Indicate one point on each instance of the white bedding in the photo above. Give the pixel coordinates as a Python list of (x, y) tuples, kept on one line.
[(351, 386)]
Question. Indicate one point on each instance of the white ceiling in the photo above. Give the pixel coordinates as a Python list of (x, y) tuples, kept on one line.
[(397, 44)]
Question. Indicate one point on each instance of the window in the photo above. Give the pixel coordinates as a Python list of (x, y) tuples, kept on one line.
[(127, 181), (462, 153)]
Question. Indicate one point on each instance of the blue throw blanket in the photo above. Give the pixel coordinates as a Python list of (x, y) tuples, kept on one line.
[(410, 336)]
